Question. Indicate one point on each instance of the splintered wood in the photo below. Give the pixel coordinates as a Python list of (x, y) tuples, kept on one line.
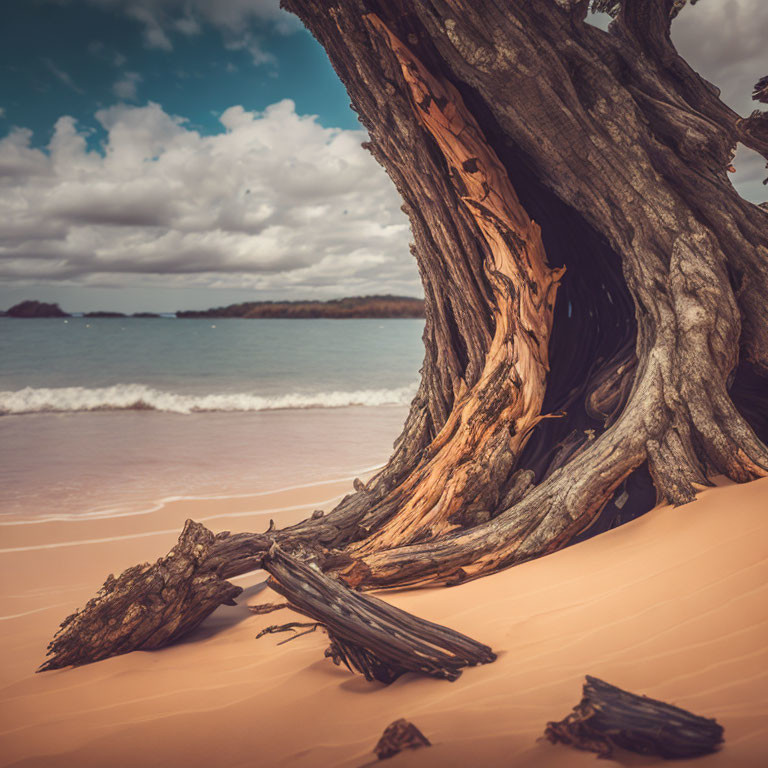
[(367, 635), (457, 484), (607, 717)]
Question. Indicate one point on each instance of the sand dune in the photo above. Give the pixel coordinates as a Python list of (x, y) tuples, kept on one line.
[(674, 605)]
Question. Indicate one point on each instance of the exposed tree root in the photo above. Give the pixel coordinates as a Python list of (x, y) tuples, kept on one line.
[(138, 612)]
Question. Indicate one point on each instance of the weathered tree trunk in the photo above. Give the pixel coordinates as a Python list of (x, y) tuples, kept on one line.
[(489, 116), (608, 139)]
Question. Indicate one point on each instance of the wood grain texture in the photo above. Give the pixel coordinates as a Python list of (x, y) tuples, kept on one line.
[(377, 640), (608, 717)]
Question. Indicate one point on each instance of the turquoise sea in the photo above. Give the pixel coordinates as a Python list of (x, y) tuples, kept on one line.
[(102, 413)]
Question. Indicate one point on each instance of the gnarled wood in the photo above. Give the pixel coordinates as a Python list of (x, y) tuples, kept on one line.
[(607, 717), (640, 159), (150, 606), (147, 606), (466, 463), (368, 635)]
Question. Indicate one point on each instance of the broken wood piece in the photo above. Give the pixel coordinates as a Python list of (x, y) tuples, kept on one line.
[(368, 635), (608, 717), (398, 736), (147, 607)]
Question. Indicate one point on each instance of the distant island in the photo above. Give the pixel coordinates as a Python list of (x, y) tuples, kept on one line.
[(380, 307), (353, 307), (35, 309)]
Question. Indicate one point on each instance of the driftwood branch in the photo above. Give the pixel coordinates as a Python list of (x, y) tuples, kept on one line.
[(368, 635), (150, 606), (147, 606), (608, 717)]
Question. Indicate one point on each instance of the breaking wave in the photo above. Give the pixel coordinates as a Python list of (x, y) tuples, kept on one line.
[(139, 397)]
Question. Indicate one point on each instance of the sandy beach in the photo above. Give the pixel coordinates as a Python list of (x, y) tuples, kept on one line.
[(674, 605)]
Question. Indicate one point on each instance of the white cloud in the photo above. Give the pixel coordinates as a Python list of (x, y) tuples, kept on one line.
[(750, 173), (248, 43), (275, 203), (234, 18), (63, 76), (154, 34), (126, 87)]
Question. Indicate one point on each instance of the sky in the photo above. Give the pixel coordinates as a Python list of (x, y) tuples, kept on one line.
[(158, 155)]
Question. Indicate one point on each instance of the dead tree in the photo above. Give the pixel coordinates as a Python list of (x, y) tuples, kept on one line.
[(596, 323)]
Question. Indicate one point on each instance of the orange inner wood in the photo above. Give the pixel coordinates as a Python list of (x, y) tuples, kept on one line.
[(524, 289)]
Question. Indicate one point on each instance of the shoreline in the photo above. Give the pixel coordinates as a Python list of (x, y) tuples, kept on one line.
[(158, 505), (95, 465), (673, 605), (282, 504)]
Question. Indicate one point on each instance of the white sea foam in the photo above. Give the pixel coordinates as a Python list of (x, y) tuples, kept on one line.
[(141, 397)]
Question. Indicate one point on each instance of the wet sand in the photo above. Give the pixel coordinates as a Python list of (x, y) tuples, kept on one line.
[(674, 605)]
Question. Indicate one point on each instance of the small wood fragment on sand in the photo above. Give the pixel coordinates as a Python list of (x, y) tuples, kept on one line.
[(608, 717), (398, 736)]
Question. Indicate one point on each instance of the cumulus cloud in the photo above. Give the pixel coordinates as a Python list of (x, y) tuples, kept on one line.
[(234, 18), (275, 202), (126, 87)]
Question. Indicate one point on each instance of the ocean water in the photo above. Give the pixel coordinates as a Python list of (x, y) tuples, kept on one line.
[(101, 413)]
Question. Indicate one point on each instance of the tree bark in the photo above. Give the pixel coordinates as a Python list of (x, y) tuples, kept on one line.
[(489, 116), (150, 606), (377, 640)]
